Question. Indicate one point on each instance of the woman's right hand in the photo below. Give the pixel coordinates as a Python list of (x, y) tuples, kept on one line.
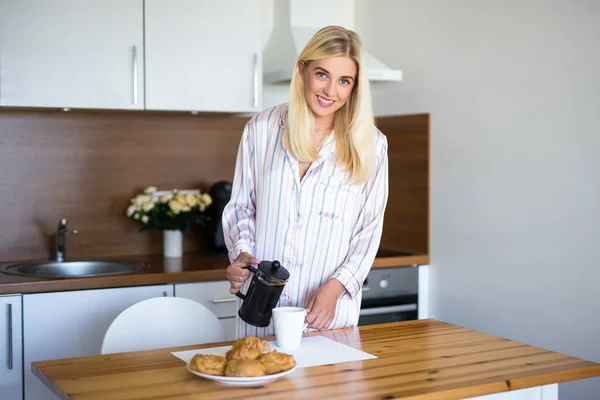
[(237, 274)]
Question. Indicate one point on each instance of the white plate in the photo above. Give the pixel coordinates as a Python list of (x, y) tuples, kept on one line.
[(253, 381)]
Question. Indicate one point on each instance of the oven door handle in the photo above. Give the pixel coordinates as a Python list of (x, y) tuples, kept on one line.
[(387, 309)]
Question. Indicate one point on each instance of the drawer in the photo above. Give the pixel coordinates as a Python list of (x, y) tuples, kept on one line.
[(229, 327), (213, 295)]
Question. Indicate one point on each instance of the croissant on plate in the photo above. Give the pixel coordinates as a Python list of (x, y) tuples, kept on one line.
[(248, 357)]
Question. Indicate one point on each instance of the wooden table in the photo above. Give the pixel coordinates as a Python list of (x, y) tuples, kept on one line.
[(425, 359)]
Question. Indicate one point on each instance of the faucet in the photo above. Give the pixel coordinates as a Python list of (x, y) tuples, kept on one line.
[(60, 240)]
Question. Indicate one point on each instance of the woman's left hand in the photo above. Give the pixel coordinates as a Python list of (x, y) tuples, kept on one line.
[(320, 309)]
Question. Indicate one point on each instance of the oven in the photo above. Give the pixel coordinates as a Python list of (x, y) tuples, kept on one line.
[(390, 295)]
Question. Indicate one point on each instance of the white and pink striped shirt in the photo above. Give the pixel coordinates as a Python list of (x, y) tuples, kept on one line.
[(319, 227)]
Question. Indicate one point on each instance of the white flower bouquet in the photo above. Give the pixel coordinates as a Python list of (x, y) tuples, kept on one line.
[(169, 210)]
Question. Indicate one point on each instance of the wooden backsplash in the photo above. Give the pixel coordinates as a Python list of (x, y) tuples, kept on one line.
[(406, 222), (86, 165)]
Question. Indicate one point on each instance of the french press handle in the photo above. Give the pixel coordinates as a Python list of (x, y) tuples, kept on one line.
[(239, 293)]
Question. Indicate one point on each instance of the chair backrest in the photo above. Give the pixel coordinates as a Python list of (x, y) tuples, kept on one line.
[(162, 322)]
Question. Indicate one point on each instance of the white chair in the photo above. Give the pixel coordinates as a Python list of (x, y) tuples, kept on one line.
[(162, 322)]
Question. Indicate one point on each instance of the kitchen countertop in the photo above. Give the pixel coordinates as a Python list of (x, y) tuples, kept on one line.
[(160, 270), (426, 359)]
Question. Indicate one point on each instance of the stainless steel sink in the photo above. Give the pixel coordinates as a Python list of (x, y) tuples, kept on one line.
[(72, 269)]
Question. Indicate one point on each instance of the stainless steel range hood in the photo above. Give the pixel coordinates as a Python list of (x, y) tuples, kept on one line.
[(292, 29)]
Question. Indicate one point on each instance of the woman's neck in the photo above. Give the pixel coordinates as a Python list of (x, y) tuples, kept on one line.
[(320, 135), (324, 125)]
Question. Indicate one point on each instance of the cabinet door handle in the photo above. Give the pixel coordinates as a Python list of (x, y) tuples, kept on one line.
[(135, 74), (10, 338), (256, 88), (225, 300)]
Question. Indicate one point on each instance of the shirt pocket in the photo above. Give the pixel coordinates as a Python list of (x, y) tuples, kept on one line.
[(337, 199)]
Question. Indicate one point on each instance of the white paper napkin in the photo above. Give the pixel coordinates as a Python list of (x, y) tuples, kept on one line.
[(313, 351)]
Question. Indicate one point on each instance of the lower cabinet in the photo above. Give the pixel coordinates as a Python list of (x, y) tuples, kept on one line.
[(229, 327), (216, 297), (546, 392), (72, 324), (11, 356)]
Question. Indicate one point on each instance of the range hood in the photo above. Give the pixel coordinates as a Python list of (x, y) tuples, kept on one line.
[(292, 29)]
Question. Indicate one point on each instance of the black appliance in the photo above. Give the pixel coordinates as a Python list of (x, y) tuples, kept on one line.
[(263, 293), (220, 193), (390, 295)]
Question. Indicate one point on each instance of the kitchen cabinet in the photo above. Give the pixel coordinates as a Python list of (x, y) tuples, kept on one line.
[(203, 55), (229, 327), (192, 55), (216, 297), (546, 392), (69, 53), (11, 359), (72, 324)]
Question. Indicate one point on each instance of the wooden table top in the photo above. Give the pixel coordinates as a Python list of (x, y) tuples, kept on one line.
[(424, 359)]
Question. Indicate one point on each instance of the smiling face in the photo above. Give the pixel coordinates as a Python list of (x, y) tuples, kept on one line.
[(328, 84)]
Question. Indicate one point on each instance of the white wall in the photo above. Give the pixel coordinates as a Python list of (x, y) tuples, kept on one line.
[(513, 88)]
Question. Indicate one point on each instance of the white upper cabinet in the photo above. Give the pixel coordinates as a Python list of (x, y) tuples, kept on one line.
[(72, 53), (203, 55)]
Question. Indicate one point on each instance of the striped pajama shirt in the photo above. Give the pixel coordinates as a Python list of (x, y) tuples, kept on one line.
[(319, 227)]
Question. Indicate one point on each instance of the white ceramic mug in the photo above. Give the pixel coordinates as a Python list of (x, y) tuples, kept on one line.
[(289, 325)]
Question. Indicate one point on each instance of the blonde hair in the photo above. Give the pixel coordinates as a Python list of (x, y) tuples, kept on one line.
[(353, 127)]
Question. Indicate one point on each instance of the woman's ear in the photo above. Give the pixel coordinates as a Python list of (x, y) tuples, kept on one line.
[(301, 66)]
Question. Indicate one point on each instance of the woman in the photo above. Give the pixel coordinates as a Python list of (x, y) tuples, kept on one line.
[(311, 187)]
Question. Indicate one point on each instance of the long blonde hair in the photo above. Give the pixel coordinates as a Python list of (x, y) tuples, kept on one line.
[(353, 127)]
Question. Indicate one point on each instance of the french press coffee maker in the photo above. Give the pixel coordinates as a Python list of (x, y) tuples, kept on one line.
[(263, 293)]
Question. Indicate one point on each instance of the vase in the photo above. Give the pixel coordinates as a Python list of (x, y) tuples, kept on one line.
[(172, 243)]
